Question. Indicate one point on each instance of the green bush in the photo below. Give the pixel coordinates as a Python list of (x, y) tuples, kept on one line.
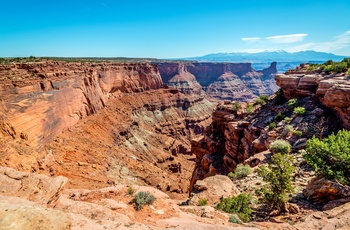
[(236, 106), (142, 198), (292, 103), (262, 99), (231, 175), (278, 175), (287, 119), (280, 146), (202, 202), (249, 109), (272, 125), (288, 128), (279, 117), (336, 67), (348, 72), (299, 111), (238, 205), (331, 156), (234, 219), (298, 133), (242, 171), (258, 101)]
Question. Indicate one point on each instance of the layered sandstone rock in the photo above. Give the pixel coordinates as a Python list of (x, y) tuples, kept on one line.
[(322, 191), (98, 123), (39, 100), (220, 81), (332, 90), (38, 188), (238, 137)]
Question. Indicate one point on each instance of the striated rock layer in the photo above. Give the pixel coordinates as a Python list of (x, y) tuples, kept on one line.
[(220, 81), (99, 124), (39, 100), (238, 137), (332, 90)]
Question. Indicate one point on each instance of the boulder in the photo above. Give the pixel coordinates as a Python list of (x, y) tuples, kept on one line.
[(321, 191), (213, 188)]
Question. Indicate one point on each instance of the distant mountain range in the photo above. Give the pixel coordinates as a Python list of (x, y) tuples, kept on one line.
[(285, 60), (269, 56)]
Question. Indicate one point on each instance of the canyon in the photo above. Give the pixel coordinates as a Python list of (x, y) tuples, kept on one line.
[(74, 136), (104, 123)]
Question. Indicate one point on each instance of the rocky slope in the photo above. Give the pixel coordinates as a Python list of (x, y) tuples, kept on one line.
[(36, 201), (99, 124), (332, 90), (235, 136), (39, 100), (220, 81)]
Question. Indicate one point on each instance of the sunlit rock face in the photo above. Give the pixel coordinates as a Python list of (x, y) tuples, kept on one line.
[(220, 81)]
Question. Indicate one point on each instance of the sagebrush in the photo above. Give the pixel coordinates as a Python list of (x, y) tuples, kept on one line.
[(142, 198), (280, 146), (242, 171)]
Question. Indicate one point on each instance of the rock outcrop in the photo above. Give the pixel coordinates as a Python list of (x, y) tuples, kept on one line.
[(212, 189), (332, 90), (322, 191), (220, 81), (236, 136), (38, 188)]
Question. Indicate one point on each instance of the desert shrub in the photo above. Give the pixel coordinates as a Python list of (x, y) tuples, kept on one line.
[(236, 106), (238, 205), (234, 219), (279, 117), (142, 198), (249, 108), (278, 176), (280, 146), (231, 175), (292, 103), (262, 99), (242, 171), (331, 156), (202, 202), (337, 67), (288, 128), (272, 125), (258, 101), (131, 190), (298, 133), (299, 111)]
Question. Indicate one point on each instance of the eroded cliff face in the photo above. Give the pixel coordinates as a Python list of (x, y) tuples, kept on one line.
[(39, 100), (238, 137), (99, 124), (332, 90), (220, 81)]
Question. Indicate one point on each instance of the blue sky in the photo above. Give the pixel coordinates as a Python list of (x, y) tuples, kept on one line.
[(171, 29)]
